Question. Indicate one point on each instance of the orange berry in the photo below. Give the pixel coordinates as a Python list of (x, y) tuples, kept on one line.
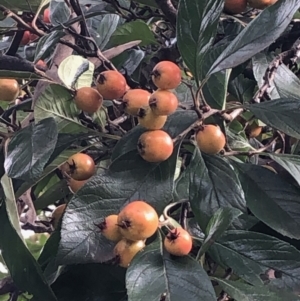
[(111, 84), (9, 89), (110, 229), (163, 102), (210, 139), (46, 15), (149, 120), (155, 146), (26, 38), (134, 99), (138, 220), (166, 75), (235, 6), (261, 4), (88, 99), (253, 130), (75, 185), (125, 251), (178, 242), (80, 167)]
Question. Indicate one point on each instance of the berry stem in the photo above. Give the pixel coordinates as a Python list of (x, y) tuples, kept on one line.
[(165, 212), (196, 124)]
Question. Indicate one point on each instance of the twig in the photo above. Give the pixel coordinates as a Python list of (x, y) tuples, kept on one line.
[(195, 124), (168, 9), (8, 13), (251, 153), (284, 58)]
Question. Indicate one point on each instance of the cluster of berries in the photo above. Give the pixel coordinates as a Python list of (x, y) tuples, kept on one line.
[(136, 222), (151, 110)]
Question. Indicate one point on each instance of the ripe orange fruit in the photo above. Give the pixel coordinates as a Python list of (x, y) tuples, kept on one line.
[(235, 6), (149, 120), (134, 99), (9, 89), (137, 221), (125, 251), (75, 185), (163, 102), (261, 4), (26, 38), (155, 146), (88, 99), (111, 84), (166, 75), (80, 167), (110, 229), (253, 130), (46, 16), (210, 139), (178, 242), (57, 215)]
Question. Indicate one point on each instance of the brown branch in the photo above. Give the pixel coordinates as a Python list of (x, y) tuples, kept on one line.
[(194, 125), (8, 13), (168, 9), (283, 58)]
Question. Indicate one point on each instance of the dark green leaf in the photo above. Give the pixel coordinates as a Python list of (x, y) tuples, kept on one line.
[(290, 163), (283, 114), (241, 88), (128, 178), (241, 291), (105, 29), (135, 30), (175, 278), (217, 225), (252, 255), (91, 282), (213, 185), (258, 35), (265, 190), (24, 270), (46, 44), (197, 23), (215, 89), (30, 149)]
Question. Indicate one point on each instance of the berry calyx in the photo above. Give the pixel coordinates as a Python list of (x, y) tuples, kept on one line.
[(9, 89), (46, 16), (235, 6), (80, 167), (149, 120), (111, 84), (57, 215), (178, 242), (163, 102), (134, 99), (210, 139), (75, 185), (88, 99), (261, 4), (125, 251), (155, 146), (110, 229), (137, 221), (26, 38), (166, 75)]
